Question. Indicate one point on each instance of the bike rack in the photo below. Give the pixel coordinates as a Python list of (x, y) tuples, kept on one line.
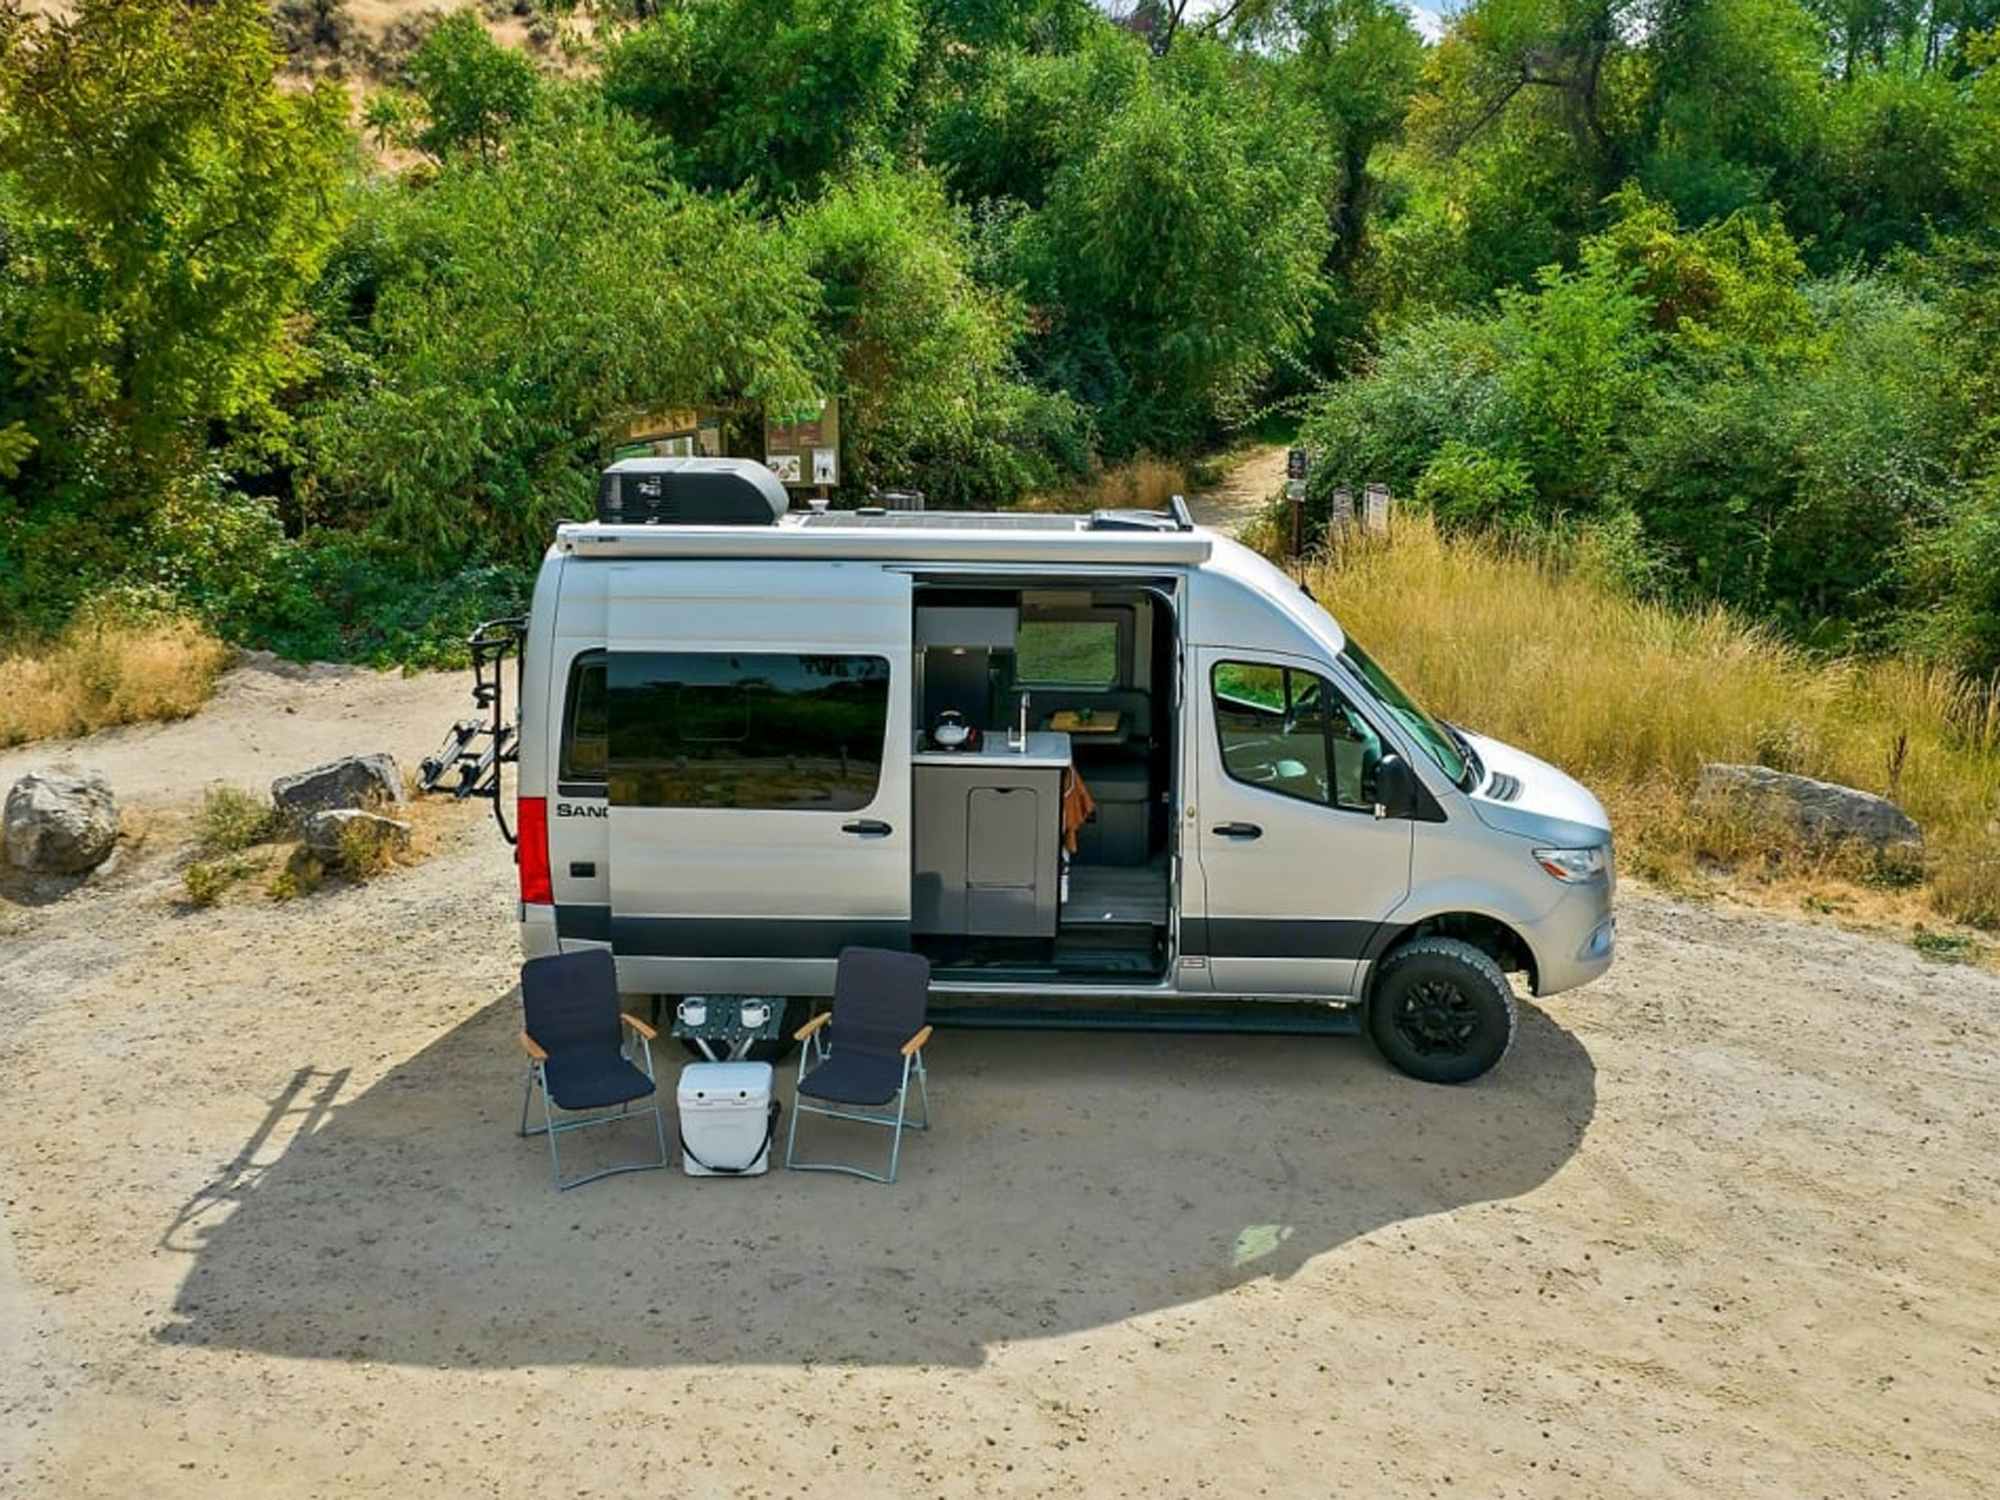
[(475, 749)]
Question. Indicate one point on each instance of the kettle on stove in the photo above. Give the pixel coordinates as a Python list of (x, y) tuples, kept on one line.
[(951, 732)]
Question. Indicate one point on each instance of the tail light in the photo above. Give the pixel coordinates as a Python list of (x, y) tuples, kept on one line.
[(532, 821)]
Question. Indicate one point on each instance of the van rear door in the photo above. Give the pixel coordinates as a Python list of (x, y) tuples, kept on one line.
[(759, 771)]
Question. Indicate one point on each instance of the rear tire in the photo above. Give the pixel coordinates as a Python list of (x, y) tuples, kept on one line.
[(1442, 1011)]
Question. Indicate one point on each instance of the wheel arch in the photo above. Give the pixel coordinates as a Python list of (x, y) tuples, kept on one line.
[(1499, 939)]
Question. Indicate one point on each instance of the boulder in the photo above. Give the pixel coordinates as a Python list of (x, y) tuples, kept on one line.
[(61, 822), (1822, 811), (322, 832), (351, 781)]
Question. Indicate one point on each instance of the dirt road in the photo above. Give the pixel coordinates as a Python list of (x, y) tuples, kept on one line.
[(1243, 491), (1724, 1224)]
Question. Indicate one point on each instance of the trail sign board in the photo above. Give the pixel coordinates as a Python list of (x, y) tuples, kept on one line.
[(1295, 463), (803, 447)]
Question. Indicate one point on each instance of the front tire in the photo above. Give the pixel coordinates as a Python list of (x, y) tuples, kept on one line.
[(1442, 1011)]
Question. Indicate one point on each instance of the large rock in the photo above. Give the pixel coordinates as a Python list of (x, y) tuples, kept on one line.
[(1822, 811), (351, 781), (61, 822), (324, 832)]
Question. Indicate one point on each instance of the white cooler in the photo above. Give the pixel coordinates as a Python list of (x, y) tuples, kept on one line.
[(728, 1119)]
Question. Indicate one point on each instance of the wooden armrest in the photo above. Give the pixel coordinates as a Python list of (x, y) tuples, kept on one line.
[(639, 1026), (533, 1048), (813, 1025), (916, 1043)]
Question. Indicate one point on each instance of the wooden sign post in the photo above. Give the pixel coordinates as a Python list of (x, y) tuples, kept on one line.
[(1376, 517), (1340, 518), (1295, 492)]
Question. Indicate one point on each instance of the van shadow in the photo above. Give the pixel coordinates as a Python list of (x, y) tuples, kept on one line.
[(1072, 1180)]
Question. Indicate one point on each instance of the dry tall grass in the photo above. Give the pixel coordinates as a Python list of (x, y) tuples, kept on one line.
[(1633, 697), (1145, 483), (102, 672)]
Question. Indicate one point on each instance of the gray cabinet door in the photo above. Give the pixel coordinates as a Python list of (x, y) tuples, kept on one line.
[(1002, 860)]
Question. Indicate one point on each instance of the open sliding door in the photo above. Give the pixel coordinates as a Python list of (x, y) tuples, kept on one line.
[(759, 767)]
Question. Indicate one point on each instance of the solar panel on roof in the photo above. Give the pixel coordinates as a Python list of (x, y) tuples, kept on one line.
[(897, 520)]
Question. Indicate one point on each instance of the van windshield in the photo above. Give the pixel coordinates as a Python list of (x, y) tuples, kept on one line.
[(1439, 742)]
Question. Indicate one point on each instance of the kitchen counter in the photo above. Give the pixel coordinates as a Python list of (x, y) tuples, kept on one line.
[(1044, 749)]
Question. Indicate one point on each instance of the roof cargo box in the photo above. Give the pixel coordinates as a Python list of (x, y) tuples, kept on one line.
[(690, 492)]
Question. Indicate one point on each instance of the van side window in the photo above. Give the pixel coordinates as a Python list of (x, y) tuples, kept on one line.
[(1293, 733), (1073, 653), (583, 737), (746, 730)]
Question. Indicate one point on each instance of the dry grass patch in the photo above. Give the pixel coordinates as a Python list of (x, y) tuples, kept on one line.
[(101, 672), (1145, 483), (1632, 697)]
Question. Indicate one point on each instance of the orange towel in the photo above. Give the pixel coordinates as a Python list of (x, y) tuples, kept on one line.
[(1077, 806)]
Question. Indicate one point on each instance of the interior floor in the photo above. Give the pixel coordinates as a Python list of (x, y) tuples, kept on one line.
[(1070, 958), (1117, 895)]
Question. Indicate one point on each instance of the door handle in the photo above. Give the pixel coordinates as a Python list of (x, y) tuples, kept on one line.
[(1238, 830), (583, 869), (868, 828)]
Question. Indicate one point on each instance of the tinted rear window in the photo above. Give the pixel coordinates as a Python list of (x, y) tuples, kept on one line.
[(584, 751), (747, 730)]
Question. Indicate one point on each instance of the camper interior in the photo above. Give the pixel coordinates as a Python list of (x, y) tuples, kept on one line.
[(1043, 778)]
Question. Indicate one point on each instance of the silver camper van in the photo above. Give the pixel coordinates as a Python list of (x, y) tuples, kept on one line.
[(1095, 766)]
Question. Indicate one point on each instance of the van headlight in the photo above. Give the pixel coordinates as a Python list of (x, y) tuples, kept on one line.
[(1573, 866)]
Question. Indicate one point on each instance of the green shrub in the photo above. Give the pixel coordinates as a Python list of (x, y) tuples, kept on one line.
[(300, 875), (206, 881), (232, 820), (365, 851), (1467, 486)]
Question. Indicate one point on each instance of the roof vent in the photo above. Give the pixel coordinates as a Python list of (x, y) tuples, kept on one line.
[(1175, 518), (690, 492)]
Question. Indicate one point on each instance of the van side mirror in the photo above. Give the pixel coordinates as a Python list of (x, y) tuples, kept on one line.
[(1395, 787)]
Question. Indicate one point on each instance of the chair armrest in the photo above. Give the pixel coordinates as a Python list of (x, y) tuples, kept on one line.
[(813, 1025), (639, 1026), (916, 1043), (533, 1048)]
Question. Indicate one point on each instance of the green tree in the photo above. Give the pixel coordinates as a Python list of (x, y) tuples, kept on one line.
[(508, 319), (1004, 136), (1179, 249), (929, 393), (1358, 62), (169, 205), (774, 95), (1735, 106), (472, 89)]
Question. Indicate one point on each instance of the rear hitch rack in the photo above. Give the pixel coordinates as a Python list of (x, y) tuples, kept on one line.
[(468, 763)]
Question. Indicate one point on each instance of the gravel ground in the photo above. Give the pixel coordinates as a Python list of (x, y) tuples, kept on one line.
[(1723, 1224)]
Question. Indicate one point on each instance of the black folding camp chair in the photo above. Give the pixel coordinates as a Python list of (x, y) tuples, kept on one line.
[(574, 1035), (864, 1053)]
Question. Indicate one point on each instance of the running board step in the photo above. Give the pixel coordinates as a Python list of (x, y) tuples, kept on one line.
[(1280, 1019)]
